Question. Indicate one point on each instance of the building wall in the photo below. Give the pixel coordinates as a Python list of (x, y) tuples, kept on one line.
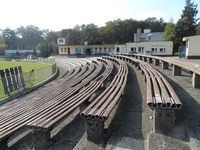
[(84, 49), (120, 48), (192, 46), (155, 48)]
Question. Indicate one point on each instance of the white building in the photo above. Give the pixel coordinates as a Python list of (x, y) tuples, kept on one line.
[(120, 48), (154, 48), (192, 46)]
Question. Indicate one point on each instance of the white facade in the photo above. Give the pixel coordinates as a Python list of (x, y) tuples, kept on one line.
[(61, 41), (192, 46), (155, 48), (120, 48)]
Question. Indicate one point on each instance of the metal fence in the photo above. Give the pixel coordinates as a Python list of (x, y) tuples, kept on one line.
[(14, 80), (41, 60)]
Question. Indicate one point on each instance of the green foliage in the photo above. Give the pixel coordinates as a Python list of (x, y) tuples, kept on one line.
[(29, 37), (186, 25), (198, 29), (117, 31), (10, 38), (169, 28)]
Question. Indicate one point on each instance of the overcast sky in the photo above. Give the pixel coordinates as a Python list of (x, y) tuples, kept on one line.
[(60, 14)]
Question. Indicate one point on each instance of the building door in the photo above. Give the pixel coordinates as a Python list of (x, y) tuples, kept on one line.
[(88, 51), (182, 51), (68, 50)]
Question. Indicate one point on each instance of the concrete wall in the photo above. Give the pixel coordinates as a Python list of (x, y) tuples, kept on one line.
[(192, 46), (156, 48)]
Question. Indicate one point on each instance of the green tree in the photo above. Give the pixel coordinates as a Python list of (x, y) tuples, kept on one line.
[(186, 25), (169, 28), (10, 38), (198, 29), (29, 36)]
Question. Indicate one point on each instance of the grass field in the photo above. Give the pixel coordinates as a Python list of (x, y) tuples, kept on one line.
[(26, 68)]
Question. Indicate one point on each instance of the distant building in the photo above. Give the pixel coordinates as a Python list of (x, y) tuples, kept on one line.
[(160, 48), (86, 49), (120, 48), (192, 49), (148, 36), (146, 42), (9, 53)]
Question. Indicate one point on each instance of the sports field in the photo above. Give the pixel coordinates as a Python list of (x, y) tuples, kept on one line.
[(26, 68)]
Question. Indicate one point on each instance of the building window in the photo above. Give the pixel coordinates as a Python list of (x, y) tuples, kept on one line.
[(140, 49), (78, 50), (117, 49), (162, 50), (132, 49), (65, 50), (95, 51), (100, 50), (109, 50), (68, 51), (154, 49), (61, 50), (105, 50)]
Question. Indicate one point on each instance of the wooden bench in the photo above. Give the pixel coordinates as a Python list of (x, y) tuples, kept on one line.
[(49, 118), (26, 110), (97, 113), (160, 96), (177, 66)]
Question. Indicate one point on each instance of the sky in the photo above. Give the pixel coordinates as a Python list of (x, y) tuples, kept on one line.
[(61, 14)]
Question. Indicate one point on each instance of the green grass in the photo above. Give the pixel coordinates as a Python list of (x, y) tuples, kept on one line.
[(26, 66), (40, 68)]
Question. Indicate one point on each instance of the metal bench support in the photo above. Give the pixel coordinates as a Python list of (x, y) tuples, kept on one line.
[(3, 144), (157, 62), (195, 80), (164, 119), (176, 70), (95, 130), (150, 60), (40, 139), (165, 65)]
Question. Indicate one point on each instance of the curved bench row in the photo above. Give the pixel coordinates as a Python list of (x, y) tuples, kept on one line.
[(101, 107), (160, 93), (105, 105), (178, 66), (47, 108)]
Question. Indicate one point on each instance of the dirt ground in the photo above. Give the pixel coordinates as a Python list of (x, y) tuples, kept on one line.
[(132, 125)]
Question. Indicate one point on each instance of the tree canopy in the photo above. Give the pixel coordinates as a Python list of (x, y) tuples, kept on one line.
[(186, 25), (116, 31)]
